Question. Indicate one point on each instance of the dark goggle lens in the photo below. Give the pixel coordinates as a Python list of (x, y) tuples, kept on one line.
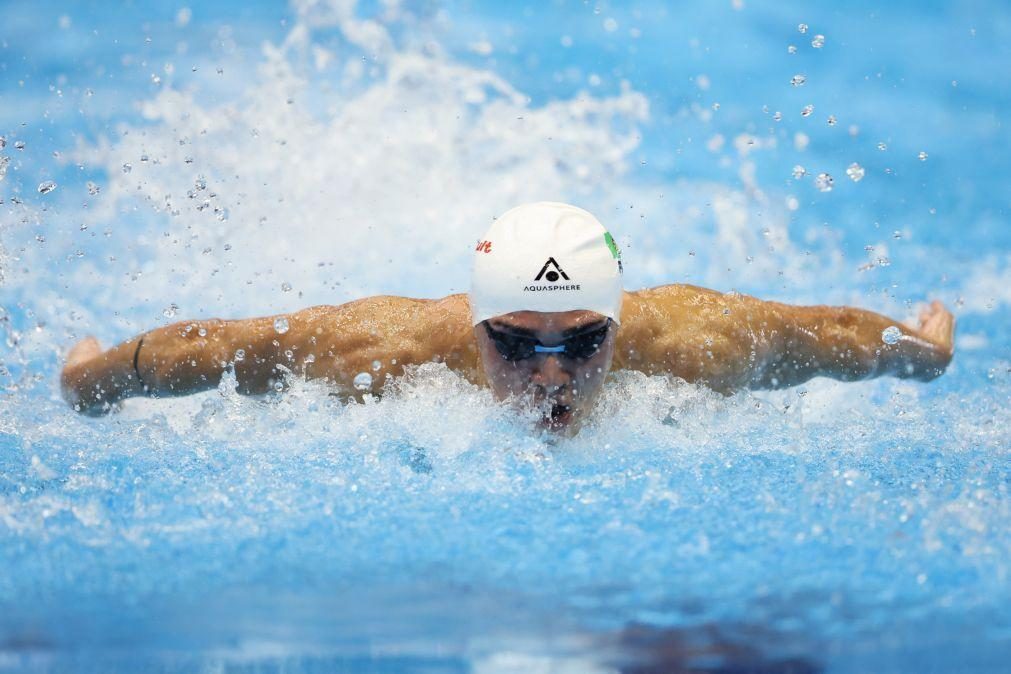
[(577, 347)]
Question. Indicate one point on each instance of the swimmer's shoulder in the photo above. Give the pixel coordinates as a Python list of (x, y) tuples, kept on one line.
[(660, 301)]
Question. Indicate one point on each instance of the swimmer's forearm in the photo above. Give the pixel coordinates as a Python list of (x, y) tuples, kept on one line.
[(851, 344), (191, 356), (179, 359)]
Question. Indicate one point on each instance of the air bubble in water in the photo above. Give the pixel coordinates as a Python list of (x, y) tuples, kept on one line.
[(93, 189), (46, 187), (891, 335), (286, 287), (798, 80), (855, 172), (799, 172), (240, 354), (922, 156), (824, 182), (376, 365), (170, 311), (363, 381), (281, 325), (802, 28), (807, 110), (818, 42)]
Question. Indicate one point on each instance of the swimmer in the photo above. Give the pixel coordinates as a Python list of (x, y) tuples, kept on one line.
[(546, 319)]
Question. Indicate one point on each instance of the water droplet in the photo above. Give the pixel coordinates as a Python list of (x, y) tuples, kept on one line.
[(240, 354), (922, 156), (281, 325), (93, 189), (4, 160), (802, 28), (286, 287), (791, 49), (376, 365), (19, 145), (798, 80), (127, 167), (824, 182), (855, 172), (202, 332), (891, 335), (200, 183), (363, 381), (883, 262), (170, 311), (777, 116), (818, 41), (831, 121), (882, 146), (799, 172), (807, 110), (3, 142), (46, 187)]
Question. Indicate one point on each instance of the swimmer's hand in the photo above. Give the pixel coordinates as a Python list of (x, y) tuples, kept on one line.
[(93, 380), (937, 325)]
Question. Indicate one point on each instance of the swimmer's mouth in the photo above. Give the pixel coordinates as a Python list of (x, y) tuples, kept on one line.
[(558, 417)]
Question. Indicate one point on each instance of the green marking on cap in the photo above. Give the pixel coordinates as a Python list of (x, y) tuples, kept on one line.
[(609, 240)]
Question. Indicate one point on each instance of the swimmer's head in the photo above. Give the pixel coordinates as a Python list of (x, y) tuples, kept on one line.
[(545, 303)]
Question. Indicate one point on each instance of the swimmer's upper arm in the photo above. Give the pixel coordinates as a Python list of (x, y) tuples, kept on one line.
[(722, 340), (379, 336)]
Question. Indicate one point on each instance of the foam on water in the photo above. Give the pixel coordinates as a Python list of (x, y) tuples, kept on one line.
[(360, 157)]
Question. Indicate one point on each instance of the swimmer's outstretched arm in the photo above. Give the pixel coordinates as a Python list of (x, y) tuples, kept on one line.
[(731, 341), (378, 335)]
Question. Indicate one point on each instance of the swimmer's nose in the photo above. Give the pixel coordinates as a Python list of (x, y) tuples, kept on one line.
[(550, 374)]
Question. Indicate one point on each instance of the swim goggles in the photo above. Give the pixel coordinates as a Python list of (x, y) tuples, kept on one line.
[(581, 346)]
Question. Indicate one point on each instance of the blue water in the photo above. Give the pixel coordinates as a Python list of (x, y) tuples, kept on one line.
[(239, 148)]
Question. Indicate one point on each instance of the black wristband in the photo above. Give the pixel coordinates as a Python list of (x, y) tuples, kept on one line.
[(136, 370)]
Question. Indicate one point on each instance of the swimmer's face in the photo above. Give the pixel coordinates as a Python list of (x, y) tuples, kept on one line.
[(563, 385)]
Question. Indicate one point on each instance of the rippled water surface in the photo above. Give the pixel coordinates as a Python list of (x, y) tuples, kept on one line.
[(165, 162)]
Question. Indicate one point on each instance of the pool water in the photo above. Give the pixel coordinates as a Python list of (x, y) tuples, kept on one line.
[(241, 159)]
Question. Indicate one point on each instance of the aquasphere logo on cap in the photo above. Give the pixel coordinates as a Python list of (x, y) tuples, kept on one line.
[(551, 272)]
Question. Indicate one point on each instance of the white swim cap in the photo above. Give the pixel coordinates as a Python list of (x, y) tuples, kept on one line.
[(546, 257)]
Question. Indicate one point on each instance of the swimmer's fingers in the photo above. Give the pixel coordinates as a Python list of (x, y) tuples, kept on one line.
[(938, 325)]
